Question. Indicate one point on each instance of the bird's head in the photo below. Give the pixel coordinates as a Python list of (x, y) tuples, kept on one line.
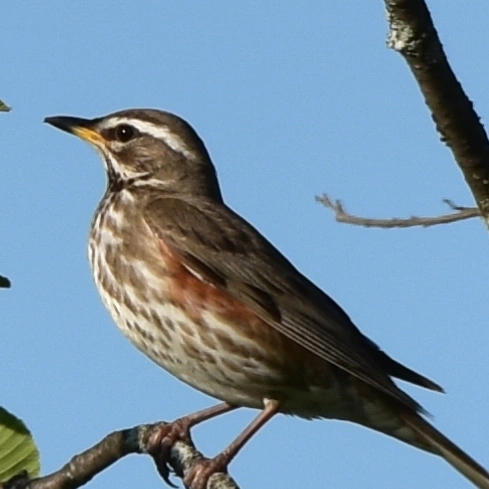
[(146, 145)]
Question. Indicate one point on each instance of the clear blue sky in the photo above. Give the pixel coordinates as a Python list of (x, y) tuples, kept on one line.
[(292, 101)]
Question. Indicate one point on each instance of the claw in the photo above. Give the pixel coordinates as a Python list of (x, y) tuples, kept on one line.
[(161, 441), (164, 436), (202, 470)]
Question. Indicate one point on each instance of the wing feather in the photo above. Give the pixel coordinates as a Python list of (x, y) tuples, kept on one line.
[(222, 247)]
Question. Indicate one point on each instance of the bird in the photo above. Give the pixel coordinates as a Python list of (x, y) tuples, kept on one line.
[(206, 296)]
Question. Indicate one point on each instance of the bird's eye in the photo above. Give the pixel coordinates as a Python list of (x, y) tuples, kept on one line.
[(124, 133)]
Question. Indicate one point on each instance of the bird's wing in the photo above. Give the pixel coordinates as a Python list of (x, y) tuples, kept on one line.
[(227, 251)]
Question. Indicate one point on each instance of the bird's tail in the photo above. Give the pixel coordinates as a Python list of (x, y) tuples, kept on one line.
[(441, 445)]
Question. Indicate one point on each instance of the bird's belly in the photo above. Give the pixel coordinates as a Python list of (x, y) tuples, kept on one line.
[(219, 361), (208, 340), (207, 355)]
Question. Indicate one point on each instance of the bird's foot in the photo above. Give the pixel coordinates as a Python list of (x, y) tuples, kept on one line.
[(202, 470), (161, 441), (164, 436)]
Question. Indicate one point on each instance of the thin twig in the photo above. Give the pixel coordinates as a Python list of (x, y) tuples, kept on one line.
[(342, 215), (83, 467)]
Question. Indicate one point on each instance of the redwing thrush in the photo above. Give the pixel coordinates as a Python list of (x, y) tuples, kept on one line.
[(203, 294)]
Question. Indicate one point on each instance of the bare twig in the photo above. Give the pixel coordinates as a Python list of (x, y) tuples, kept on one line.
[(413, 35), (83, 467), (342, 216)]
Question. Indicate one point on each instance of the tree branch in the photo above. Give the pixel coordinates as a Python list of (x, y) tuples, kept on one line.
[(83, 467), (342, 215), (414, 36)]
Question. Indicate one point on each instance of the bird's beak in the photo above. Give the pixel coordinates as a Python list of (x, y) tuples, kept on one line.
[(83, 128)]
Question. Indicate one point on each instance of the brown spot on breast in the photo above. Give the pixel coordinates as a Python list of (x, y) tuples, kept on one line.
[(145, 334), (191, 349), (163, 330), (187, 328), (169, 324), (208, 358), (209, 341)]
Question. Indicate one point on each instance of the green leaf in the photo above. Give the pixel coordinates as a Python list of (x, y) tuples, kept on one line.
[(17, 448), (4, 107), (4, 282)]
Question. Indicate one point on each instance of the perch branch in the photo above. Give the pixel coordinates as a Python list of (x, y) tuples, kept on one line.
[(83, 467)]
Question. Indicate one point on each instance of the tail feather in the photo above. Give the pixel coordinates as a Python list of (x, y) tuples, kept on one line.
[(448, 450)]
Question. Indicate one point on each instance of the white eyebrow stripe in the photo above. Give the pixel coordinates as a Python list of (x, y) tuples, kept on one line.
[(174, 141)]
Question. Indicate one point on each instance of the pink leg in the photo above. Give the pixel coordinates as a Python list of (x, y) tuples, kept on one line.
[(199, 416), (199, 475)]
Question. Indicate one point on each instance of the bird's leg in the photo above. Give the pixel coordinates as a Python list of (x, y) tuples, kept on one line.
[(163, 437), (201, 471)]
